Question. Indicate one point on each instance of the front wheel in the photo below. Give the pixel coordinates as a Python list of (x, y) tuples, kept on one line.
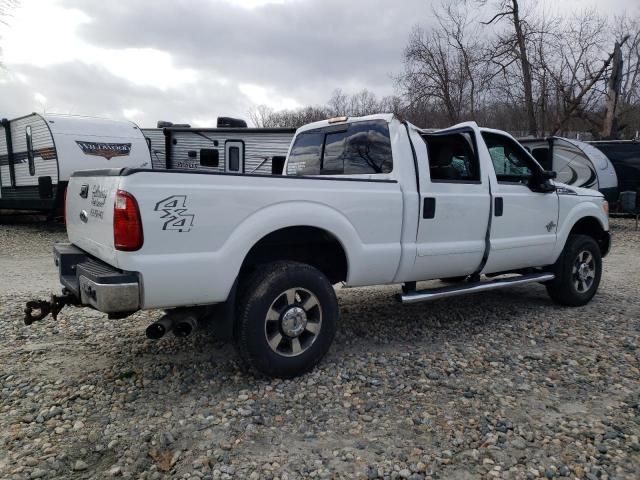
[(578, 272), (287, 317)]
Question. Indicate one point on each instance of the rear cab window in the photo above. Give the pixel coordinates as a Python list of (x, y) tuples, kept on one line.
[(359, 148)]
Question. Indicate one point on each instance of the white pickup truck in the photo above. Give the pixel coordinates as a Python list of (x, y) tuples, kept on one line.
[(363, 201)]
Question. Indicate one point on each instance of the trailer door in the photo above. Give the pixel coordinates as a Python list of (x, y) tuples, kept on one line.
[(234, 156)]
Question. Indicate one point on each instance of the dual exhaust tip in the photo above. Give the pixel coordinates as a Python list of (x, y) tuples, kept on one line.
[(182, 324)]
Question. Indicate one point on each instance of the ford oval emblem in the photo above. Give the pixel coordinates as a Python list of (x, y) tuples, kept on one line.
[(83, 216)]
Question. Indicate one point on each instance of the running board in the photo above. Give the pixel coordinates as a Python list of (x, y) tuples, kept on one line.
[(446, 292)]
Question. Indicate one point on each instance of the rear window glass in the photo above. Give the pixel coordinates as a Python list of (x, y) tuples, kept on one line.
[(304, 158), (358, 148), (234, 159)]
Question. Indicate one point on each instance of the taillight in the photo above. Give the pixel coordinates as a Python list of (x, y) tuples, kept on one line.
[(127, 226)]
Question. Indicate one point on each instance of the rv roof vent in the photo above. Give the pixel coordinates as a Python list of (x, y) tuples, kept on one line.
[(228, 122)]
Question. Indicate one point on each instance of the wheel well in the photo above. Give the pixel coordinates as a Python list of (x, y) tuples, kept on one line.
[(311, 245), (591, 227)]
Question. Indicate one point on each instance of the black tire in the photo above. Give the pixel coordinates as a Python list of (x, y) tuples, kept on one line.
[(572, 286), (265, 310)]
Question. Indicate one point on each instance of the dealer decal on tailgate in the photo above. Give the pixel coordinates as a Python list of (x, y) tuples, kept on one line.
[(175, 214)]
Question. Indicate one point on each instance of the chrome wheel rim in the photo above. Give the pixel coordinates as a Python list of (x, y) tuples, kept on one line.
[(584, 271), (293, 322)]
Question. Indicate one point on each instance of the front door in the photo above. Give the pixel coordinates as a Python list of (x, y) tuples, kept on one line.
[(234, 156), (524, 222), (455, 207)]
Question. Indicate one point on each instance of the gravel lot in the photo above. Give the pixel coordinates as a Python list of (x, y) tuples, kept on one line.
[(500, 385)]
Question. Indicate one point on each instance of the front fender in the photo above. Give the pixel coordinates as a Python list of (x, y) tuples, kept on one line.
[(571, 215)]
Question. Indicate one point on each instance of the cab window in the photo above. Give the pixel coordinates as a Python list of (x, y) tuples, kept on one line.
[(353, 149), (511, 162), (452, 158), (304, 158)]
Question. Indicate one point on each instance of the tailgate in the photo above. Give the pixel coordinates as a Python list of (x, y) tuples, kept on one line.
[(89, 213)]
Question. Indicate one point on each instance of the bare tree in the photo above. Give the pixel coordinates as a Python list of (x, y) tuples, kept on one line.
[(338, 103), (443, 66), (579, 71), (512, 47), (359, 104), (5, 11), (628, 111), (260, 116)]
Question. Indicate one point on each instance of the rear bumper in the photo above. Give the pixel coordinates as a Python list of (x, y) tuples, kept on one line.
[(96, 283)]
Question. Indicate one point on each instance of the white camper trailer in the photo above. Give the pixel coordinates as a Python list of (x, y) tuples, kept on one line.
[(156, 141), (233, 150), (577, 163), (38, 154)]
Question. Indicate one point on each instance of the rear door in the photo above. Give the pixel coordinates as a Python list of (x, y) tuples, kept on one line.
[(455, 207), (525, 222)]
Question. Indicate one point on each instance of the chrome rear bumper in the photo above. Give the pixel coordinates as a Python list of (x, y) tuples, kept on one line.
[(96, 283)]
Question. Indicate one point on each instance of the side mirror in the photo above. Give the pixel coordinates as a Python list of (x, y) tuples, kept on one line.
[(540, 182)]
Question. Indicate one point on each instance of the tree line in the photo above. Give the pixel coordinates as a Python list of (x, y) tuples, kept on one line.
[(506, 64)]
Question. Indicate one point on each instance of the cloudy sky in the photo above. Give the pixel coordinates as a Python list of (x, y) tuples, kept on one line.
[(192, 60)]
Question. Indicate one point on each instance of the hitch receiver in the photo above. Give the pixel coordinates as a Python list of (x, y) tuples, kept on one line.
[(36, 310)]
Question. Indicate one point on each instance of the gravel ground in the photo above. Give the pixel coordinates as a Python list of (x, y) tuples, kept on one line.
[(500, 385)]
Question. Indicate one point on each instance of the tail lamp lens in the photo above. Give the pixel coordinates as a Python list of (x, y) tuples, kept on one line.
[(127, 226)]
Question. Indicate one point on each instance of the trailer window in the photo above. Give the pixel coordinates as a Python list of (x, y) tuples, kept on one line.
[(209, 157), (30, 156), (234, 159)]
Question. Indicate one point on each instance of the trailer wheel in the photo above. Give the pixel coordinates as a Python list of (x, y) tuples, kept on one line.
[(287, 317), (578, 272)]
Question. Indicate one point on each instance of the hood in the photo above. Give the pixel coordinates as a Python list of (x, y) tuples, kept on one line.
[(564, 189)]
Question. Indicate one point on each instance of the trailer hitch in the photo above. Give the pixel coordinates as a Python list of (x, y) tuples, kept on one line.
[(37, 310)]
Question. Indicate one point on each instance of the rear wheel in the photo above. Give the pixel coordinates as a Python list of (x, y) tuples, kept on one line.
[(578, 272), (287, 317)]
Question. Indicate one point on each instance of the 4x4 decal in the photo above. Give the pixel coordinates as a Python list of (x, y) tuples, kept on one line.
[(175, 213)]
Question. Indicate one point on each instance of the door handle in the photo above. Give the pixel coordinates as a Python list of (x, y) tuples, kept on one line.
[(429, 208), (499, 206)]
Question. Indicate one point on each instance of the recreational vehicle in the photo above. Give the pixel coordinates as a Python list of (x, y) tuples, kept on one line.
[(38, 154), (155, 141), (231, 150), (577, 163), (625, 157)]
